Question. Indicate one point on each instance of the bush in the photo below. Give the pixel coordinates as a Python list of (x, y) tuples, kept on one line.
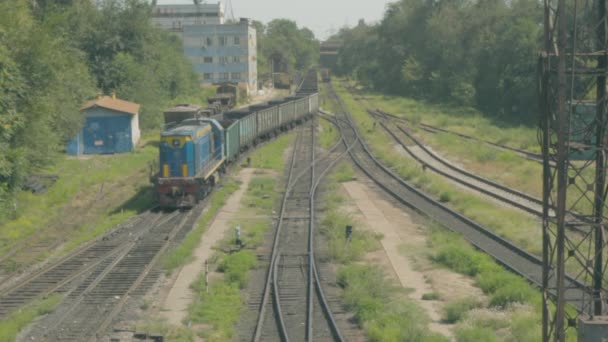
[(236, 265), (460, 258), (517, 291), (445, 197), (430, 296), (473, 334), (455, 311)]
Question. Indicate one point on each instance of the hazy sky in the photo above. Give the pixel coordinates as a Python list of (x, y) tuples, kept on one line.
[(321, 16)]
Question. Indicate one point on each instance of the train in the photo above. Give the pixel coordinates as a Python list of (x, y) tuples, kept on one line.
[(194, 149)]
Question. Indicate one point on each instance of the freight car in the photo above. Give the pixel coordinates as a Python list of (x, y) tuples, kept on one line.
[(226, 96), (195, 151)]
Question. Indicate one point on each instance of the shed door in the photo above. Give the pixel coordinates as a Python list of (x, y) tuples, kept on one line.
[(107, 135)]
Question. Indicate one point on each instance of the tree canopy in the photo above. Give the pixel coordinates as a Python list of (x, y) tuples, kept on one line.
[(289, 47), (56, 54), (474, 53)]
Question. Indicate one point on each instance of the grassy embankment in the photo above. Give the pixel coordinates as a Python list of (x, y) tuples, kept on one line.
[(106, 190), (10, 327), (506, 222), (511, 309), (219, 309), (92, 194), (506, 167), (381, 308)]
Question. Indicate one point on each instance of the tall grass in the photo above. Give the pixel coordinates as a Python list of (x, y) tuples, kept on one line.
[(12, 325), (220, 308), (271, 155)]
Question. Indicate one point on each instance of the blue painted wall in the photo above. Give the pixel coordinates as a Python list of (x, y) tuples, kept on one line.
[(105, 131)]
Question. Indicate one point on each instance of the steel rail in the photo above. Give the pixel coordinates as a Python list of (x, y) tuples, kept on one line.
[(503, 251)]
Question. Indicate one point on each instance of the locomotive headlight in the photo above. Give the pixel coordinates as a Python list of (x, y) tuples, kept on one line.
[(185, 170)]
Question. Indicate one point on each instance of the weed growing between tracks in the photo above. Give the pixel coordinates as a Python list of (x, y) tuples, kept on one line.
[(380, 307), (512, 311), (220, 308), (10, 327)]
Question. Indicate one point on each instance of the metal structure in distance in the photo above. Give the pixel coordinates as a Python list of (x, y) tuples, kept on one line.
[(573, 68)]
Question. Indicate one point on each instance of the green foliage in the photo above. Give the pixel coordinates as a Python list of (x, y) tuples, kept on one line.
[(372, 298), (475, 334), (456, 310), (431, 296), (270, 156), (284, 47), (503, 287), (480, 54), (220, 308), (236, 266), (63, 53), (11, 325)]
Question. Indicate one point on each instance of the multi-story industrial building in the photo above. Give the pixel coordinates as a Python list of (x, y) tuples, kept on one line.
[(220, 52), (175, 17), (223, 53)]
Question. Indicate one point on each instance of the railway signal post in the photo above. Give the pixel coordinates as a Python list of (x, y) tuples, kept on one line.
[(573, 69)]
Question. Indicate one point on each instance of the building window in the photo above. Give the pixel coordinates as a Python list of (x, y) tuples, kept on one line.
[(222, 41), (235, 76), (236, 59), (237, 40), (207, 76), (224, 76), (223, 59), (207, 59), (209, 41)]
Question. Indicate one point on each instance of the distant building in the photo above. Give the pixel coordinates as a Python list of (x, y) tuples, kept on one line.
[(111, 126), (220, 52), (223, 53), (175, 17)]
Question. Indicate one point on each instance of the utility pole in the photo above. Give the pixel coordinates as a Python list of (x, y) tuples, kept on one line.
[(572, 69)]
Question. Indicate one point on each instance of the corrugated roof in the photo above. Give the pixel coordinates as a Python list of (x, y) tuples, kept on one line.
[(113, 104)]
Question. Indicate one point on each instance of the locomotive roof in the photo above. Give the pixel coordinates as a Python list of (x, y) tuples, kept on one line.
[(187, 108), (187, 130)]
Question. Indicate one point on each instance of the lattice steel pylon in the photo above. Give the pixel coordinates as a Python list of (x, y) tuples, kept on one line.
[(572, 69)]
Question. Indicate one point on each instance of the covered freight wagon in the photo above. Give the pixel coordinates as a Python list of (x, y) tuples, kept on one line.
[(110, 126)]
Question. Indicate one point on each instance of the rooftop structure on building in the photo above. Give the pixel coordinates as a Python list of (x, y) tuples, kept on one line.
[(175, 17)]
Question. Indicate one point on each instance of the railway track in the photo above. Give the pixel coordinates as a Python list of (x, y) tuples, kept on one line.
[(505, 252), (429, 159), (434, 129), (294, 306), (88, 310), (59, 276)]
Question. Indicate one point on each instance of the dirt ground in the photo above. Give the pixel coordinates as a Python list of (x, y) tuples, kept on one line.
[(404, 253), (179, 295)]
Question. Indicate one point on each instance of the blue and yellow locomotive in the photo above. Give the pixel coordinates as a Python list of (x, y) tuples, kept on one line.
[(191, 155)]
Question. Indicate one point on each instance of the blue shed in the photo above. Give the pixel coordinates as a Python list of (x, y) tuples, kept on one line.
[(111, 126)]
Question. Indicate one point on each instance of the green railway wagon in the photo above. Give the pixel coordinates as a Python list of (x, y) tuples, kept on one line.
[(231, 134), (247, 126), (268, 119)]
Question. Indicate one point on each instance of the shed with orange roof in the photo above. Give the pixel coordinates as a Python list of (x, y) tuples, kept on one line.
[(111, 126)]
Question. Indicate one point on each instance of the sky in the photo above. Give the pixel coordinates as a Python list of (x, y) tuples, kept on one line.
[(321, 16)]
